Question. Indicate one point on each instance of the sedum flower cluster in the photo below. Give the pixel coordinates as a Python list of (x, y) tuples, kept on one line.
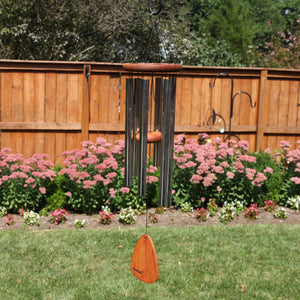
[(228, 170), (24, 182)]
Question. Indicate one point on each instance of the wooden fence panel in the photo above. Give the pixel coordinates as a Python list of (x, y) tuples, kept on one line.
[(17, 109), (28, 98), (6, 107), (50, 113), (61, 115), (52, 106)]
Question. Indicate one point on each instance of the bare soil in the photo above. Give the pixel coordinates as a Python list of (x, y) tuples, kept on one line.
[(170, 217)]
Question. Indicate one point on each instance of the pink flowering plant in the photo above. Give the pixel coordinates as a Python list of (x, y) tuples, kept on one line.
[(24, 182), (212, 207), (91, 173), (201, 214), (105, 216), (59, 216), (289, 162), (94, 177), (153, 218), (252, 212), (269, 206), (122, 196), (9, 220), (229, 171)]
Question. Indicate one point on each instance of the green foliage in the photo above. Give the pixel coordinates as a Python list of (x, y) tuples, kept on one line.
[(194, 32), (280, 50), (227, 23), (44, 212), (79, 223), (243, 23), (125, 197), (273, 184), (56, 201)]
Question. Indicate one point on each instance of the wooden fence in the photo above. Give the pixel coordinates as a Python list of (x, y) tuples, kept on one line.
[(50, 107)]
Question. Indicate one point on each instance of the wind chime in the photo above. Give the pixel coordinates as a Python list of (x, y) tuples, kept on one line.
[(149, 125)]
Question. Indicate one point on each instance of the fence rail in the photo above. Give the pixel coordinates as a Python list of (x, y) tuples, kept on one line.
[(50, 107)]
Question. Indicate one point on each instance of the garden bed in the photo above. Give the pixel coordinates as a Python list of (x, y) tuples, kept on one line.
[(170, 217)]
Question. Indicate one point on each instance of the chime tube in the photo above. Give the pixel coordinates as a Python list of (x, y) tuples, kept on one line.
[(158, 99), (143, 130), (128, 130), (166, 169)]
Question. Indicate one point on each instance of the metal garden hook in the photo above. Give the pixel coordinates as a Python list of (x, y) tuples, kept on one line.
[(155, 12), (223, 74), (232, 98)]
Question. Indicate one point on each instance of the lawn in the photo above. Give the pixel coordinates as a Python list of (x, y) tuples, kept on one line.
[(195, 262)]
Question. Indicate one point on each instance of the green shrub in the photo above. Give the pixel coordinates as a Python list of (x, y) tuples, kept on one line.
[(56, 201)]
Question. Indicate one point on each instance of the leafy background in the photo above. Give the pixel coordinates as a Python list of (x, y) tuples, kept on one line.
[(193, 32)]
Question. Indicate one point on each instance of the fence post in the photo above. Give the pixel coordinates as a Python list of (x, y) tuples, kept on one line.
[(260, 110), (85, 118)]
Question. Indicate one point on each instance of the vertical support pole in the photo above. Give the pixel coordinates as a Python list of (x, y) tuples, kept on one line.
[(129, 132), (85, 117)]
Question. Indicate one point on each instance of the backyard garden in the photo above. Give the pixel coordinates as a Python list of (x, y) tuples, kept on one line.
[(68, 231), (211, 178)]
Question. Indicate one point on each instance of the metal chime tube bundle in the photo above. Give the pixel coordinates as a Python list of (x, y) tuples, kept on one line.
[(137, 109)]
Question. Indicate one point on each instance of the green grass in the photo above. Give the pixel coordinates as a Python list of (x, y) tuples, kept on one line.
[(201, 262)]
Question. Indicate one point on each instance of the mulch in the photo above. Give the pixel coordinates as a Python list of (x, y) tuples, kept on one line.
[(170, 217)]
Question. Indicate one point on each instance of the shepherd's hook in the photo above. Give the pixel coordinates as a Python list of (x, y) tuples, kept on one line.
[(155, 12)]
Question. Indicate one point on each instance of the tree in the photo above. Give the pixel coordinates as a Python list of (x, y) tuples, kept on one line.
[(230, 22), (238, 23), (282, 51), (104, 30)]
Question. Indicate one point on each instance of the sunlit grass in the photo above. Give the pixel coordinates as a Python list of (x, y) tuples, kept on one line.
[(200, 262)]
